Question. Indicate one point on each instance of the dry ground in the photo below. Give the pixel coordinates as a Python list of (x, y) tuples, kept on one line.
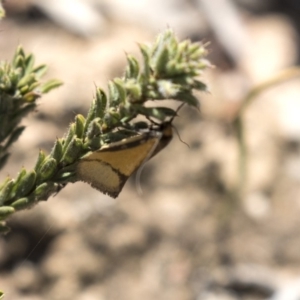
[(187, 236)]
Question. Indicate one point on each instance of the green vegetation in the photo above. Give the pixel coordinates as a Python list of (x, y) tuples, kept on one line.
[(170, 70)]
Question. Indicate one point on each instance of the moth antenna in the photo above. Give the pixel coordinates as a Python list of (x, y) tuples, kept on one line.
[(170, 121), (177, 132), (177, 110), (180, 139), (151, 121)]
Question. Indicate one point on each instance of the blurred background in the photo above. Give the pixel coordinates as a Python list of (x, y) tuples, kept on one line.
[(188, 236)]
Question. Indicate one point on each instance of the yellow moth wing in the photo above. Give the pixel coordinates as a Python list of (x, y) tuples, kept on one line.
[(127, 159), (109, 168), (100, 176)]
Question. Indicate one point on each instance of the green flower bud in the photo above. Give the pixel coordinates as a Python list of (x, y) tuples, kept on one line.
[(16, 186), (40, 70), (23, 203), (94, 129), (27, 80), (69, 137), (6, 190), (50, 85), (161, 59), (119, 84), (57, 150), (132, 69), (5, 211), (40, 160), (79, 125), (29, 62), (48, 169), (100, 104), (43, 191), (26, 184), (73, 151)]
